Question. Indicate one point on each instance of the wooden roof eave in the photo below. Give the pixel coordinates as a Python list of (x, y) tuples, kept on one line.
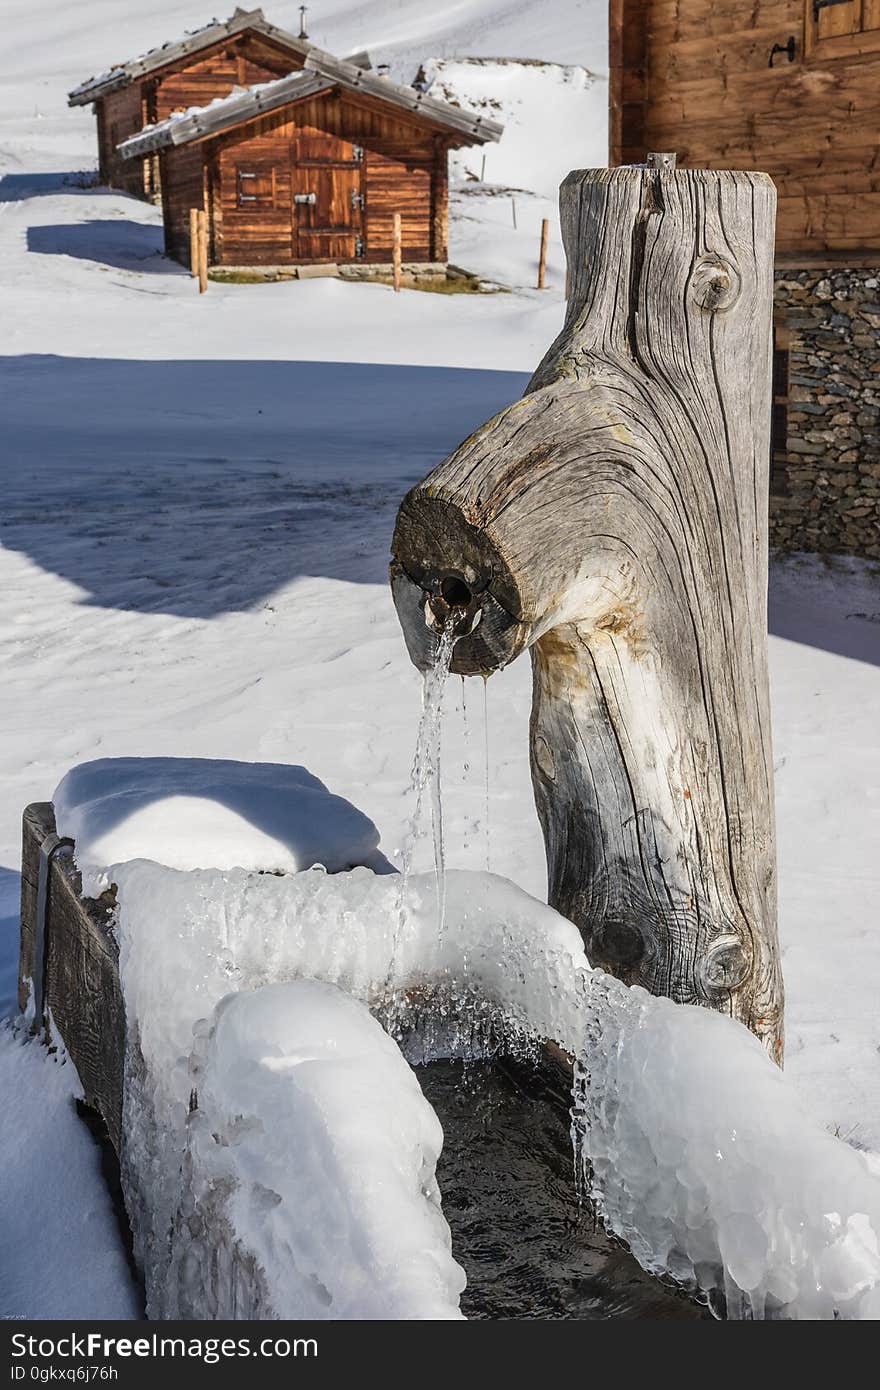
[(151, 63), (318, 78), (211, 121), (479, 130)]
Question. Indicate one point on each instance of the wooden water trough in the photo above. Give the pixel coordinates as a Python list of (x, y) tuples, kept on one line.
[(69, 965), (551, 1262)]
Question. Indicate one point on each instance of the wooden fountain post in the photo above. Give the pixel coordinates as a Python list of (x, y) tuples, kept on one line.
[(614, 521)]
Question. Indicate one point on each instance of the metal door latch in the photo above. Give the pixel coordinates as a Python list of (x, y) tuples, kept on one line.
[(359, 247), (310, 198), (357, 153)]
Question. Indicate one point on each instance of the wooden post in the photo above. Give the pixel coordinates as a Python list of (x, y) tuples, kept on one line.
[(194, 241), (614, 521), (542, 259), (202, 250), (396, 252)]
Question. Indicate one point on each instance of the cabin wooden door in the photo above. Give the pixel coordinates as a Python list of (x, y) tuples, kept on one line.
[(327, 200)]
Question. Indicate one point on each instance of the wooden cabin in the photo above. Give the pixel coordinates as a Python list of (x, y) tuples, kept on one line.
[(194, 71), (311, 169), (791, 87)]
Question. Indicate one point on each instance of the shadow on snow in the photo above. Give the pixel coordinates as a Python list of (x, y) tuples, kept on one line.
[(109, 241), (197, 488)]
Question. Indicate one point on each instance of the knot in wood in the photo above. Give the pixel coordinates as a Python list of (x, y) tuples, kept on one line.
[(715, 283), (725, 965), (544, 757)]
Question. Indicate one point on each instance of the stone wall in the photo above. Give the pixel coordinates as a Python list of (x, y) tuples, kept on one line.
[(825, 496)]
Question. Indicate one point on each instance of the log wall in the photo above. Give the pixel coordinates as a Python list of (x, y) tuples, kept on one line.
[(183, 175), (693, 76), (120, 115)]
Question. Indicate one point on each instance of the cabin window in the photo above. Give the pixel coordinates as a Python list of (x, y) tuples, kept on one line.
[(255, 188), (779, 411), (841, 28)]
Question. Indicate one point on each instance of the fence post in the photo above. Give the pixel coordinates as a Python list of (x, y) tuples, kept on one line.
[(202, 250), (396, 254), (193, 241), (542, 259)]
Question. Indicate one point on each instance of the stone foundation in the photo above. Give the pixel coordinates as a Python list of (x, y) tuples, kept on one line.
[(825, 488)]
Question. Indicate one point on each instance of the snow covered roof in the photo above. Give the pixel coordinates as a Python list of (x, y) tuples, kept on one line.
[(322, 72), (213, 32)]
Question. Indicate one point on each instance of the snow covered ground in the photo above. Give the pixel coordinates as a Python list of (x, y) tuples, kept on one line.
[(198, 496)]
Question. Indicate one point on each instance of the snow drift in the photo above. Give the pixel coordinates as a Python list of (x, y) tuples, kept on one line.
[(555, 118)]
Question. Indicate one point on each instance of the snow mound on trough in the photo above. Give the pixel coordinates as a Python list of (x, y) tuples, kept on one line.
[(192, 813), (313, 1148), (694, 1145), (555, 118)]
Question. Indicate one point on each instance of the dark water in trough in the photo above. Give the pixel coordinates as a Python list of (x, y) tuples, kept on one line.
[(506, 1176)]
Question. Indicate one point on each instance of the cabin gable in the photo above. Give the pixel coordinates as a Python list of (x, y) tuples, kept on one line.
[(242, 60)]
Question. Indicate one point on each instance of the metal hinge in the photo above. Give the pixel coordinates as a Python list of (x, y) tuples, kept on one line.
[(310, 198), (357, 153), (825, 5), (359, 246), (357, 199)]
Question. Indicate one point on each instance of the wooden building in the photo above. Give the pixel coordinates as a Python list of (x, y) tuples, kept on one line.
[(311, 168), (197, 69), (791, 87)]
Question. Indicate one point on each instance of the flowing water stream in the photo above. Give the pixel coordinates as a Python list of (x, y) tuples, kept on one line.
[(528, 1240)]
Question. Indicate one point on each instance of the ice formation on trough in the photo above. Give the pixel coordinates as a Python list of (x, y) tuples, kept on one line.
[(693, 1144), (187, 940), (208, 813), (313, 1149), (703, 1158)]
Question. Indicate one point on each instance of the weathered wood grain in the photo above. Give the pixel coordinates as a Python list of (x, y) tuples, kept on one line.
[(82, 993), (615, 522)]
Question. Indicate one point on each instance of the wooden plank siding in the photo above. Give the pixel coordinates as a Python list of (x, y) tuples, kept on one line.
[(363, 163), (694, 78), (183, 184), (121, 114), (241, 61)]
